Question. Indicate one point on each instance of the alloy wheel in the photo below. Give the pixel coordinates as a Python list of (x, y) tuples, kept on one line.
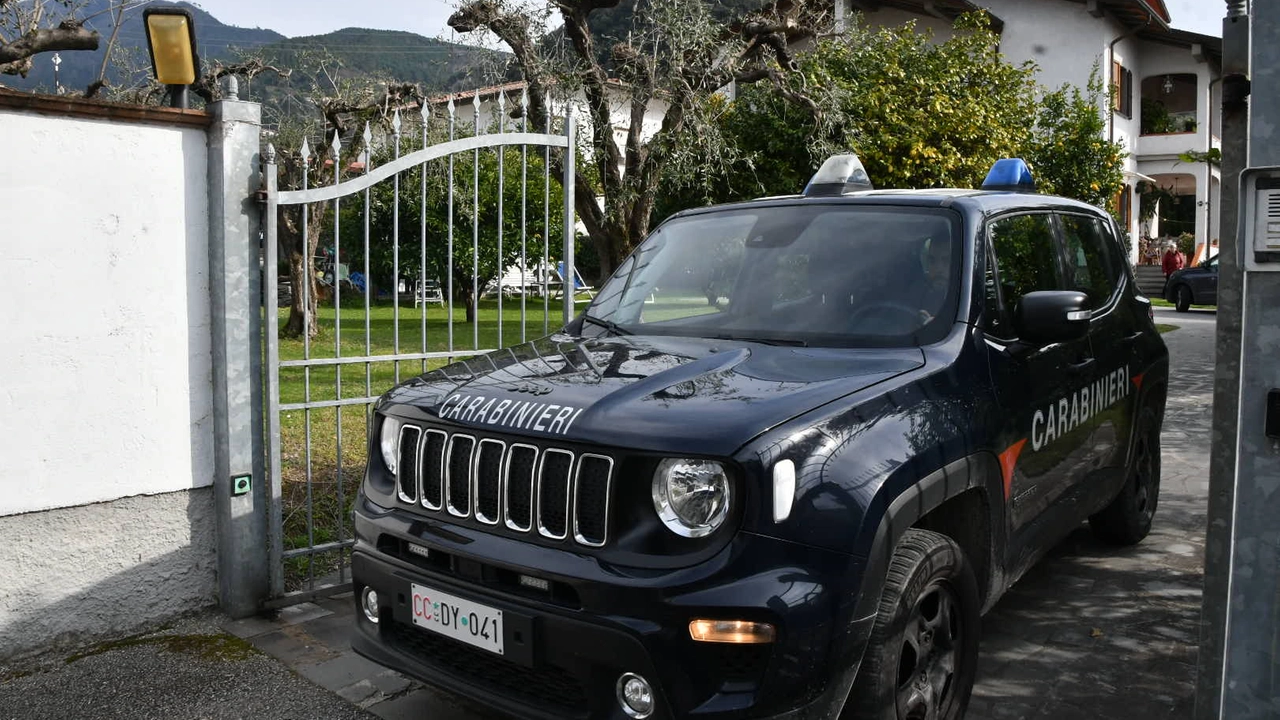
[(927, 663)]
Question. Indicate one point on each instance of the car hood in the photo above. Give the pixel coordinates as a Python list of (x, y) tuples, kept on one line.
[(657, 393)]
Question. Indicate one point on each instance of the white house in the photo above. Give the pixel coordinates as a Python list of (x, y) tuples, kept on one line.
[(1164, 83), (465, 108)]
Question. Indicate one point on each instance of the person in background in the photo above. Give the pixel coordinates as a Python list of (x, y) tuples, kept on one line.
[(1172, 261), (935, 281)]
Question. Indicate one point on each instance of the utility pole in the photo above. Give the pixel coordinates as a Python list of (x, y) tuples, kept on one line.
[(1240, 634), (1226, 388)]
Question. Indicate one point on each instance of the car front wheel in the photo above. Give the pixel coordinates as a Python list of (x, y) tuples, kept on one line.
[(922, 657), (1182, 301)]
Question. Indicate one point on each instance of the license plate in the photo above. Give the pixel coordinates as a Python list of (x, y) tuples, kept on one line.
[(458, 618)]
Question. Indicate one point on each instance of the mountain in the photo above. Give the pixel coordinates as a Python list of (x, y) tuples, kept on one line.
[(382, 54), (215, 41), (387, 54)]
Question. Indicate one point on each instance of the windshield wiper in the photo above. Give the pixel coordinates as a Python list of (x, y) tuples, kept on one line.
[(609, 325), (785, 342)]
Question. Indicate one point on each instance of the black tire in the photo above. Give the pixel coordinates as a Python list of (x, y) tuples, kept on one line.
[(1127, 520), (923, 653), (1182, 299)]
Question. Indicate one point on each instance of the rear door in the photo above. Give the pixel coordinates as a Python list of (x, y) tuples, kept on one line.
[(1105, 394), (1043, 446)]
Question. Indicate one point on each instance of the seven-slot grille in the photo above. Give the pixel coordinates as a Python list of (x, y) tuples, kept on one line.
[(551, 491)]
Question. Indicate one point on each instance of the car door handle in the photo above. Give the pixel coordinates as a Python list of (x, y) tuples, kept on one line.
[(1080, 366), (1131, 338)]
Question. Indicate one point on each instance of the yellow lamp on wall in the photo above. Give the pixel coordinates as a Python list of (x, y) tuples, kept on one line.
[(171, 37)]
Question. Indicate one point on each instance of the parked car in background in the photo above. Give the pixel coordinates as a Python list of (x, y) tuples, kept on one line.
[(1193, 286)]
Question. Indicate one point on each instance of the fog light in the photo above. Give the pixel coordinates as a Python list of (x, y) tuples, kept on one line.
[(635, 696), (369, 603), (740, 632)]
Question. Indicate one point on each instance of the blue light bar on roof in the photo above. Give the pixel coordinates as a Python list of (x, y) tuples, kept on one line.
[(838, 175), (1010, 174)]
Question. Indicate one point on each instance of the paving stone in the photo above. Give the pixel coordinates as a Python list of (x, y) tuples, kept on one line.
[(358, 692), (340, 672), (425, 704), (295, 614), (390, 682), (246, 628), (292, 645)]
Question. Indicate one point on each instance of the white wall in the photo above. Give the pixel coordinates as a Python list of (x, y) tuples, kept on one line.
[(1061, 37), (106, 386), (1126, 131), (894, 17), (619, 115)]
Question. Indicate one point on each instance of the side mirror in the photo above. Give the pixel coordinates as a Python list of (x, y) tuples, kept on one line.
[(1053, 316)]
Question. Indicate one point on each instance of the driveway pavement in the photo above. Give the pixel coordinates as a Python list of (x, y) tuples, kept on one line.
[(1090, 632)]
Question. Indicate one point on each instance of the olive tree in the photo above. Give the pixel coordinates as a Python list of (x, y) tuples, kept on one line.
[(920, 114), (674, 53), (31, 27)]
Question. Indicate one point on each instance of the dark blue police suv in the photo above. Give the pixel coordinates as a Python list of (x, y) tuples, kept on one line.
[(779, 467)]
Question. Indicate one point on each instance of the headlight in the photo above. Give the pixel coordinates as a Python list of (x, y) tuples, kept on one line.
[(691, 496), (391, 442)]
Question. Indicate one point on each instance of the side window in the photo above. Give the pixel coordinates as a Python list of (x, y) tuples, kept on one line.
[(1091, 266), (1024, 251)]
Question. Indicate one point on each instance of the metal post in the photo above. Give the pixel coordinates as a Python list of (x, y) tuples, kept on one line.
[(1251, 638), (242, 508), (1226, 391), (570, 217), (179, 97)]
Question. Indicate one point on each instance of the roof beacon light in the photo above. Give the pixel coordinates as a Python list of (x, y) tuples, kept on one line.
[(840, 174), (1010, 174)]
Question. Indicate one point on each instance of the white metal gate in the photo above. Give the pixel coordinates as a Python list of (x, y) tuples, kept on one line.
[(313, 479)]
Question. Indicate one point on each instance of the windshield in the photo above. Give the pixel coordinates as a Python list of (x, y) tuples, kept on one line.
[(824, 275)]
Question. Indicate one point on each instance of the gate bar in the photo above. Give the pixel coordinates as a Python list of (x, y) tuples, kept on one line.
[(271, 307), (350, 187), (570, 217)]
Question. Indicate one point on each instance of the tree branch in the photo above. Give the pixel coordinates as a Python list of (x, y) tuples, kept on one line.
[(594, 86), (15, 57), (511, 28), (637, 71)]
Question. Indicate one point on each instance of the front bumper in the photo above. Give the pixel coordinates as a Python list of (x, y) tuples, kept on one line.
[(568, 646)]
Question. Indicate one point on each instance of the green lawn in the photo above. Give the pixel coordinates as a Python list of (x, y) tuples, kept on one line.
[(329, 477), (1161, 302), (1164, 328)]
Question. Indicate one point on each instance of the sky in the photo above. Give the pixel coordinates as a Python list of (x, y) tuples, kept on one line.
[(314, 17)]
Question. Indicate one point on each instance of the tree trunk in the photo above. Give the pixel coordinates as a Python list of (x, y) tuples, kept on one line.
[(608, 244), (300, 277), (302, 274), (469, 300)]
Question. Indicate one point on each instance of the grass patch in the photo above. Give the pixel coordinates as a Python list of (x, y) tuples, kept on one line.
[(216, 648), (1161, 302), (323, 450), (1164, 328)]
